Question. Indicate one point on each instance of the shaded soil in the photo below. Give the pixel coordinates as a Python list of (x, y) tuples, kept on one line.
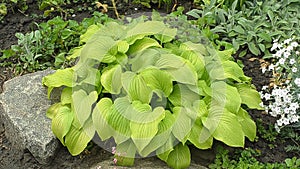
[(13, 158)]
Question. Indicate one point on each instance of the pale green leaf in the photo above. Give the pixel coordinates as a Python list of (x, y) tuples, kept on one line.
[(248, 125), (146, 28), (127, 78), (163, 134), (202, 85), (181, 70), (234, 71), (113, 30), (249, 96), (224, 126), (158, 80), (183, 124), (169, 61), (99, 48), (120, 125), (77, 140), (166, 35), (53, 110), (229, 70), (145, 59), (100, 118), (142, 132), (226, 95), (60, 78), (182, 96), (91, 30), (138, 89), (226, 55), (125, 153), (198, 48), (201, 107), (111, 79), (75, 52), (66, 96), (129, 110), (61, 123), (194, 57), (200, 136), (164, 151), (142, 44), (180, 157), (82, 104), (123, 46)]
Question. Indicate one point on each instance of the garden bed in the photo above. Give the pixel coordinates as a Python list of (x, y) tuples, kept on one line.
[(269, 146)]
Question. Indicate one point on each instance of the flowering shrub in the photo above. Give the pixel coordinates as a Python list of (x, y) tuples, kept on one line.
[(283, 95)]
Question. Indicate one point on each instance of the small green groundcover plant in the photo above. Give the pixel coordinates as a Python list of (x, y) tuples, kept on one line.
[(151, 93)]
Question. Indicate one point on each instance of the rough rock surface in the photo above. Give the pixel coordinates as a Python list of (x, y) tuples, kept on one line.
[(25, 102)]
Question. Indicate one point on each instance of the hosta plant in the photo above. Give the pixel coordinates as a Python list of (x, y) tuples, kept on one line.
[(146, 92)]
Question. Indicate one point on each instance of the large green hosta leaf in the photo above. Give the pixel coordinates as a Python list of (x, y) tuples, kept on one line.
[(61, 123), (183, 96), (229, 70), (248, 125), (194, 57), (112, 29), (66, 96), (125, 153), (182, 125), (249, 96), (145, 59), (120, 123), (60, 78), (100, 116), (99, 48), (142, 44), (162, 136), (180, 157), (146, 28), (138, 89), (142, 132), (82, 103), (91, 30), (166, 35), (200, 136), (111, 79), (181, 70), (158, 80), (226, 95), (53, 110), (76, 140), (224, 126)]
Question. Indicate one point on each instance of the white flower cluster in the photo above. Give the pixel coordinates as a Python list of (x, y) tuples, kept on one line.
[(283, 100), (281, 105)]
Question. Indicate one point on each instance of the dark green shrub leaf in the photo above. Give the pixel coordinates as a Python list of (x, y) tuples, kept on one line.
[(253, 49)]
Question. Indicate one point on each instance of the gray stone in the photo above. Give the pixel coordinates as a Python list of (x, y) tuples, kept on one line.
[(144, 163), (25, 102)]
